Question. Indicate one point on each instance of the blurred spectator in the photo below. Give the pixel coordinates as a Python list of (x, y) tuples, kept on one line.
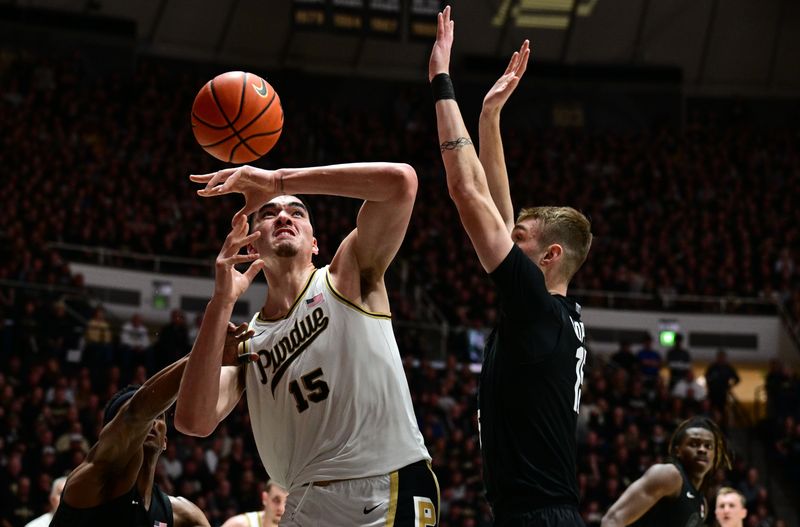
[(688, 387), (170, 462), (28, 331), (98, 340), (650, 361), (53, 501), (20, 507), (172, 340), (624, 358), (134, 341), (63, 333), (782, 390), (720, 378), (751, 487), (678, 360)]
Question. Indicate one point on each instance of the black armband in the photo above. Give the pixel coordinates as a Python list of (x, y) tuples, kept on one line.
[(442, 87)]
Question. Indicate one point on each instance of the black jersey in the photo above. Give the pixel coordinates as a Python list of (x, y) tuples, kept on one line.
[(687, 509), (125, 511), (529, 394)]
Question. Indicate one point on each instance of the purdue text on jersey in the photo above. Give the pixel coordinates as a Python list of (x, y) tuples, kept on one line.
[(289, 347)]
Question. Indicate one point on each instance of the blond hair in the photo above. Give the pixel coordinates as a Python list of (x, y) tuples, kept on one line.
[(566, 227), (723, 491)]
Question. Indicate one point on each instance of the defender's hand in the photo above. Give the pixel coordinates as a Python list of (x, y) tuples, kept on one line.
[(440, 56), (236, 337), (497, 96)]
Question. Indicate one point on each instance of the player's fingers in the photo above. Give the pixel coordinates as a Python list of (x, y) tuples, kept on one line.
[(254, 269), (248, 208), (238, 330), (222, 176), (231, 327), (523, 63), (238, 229), (201, 178), (511, 63), (231, 181), (247, 358), (243, 242), (239, 258), (209, 192), (247, 335)]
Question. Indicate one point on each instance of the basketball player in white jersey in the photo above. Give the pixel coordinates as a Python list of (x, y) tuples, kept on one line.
[(329, 402), (274, 500)]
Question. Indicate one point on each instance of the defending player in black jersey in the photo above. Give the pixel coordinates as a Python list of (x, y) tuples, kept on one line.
[(533, 364), (114, 485), (673, 494)]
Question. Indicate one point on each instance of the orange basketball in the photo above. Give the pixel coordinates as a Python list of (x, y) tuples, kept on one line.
[(237, 117)]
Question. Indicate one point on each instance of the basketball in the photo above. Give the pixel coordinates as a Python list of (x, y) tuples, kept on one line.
[(237, 117)]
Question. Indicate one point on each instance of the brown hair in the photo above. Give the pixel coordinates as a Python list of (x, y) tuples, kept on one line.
[(566, 227)]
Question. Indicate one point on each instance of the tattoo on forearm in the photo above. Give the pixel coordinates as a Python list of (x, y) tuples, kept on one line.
[(461, 142)]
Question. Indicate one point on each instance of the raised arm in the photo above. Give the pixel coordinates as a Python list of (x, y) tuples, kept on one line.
[(187, 514), (659, 481), (388, 191), (115, 459), (466, 179), (209, 390), (491, 143)]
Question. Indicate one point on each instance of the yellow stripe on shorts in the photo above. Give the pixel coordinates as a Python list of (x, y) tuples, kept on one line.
[(394, 487)]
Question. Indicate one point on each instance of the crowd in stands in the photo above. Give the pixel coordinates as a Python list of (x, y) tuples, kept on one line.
[(104, 162), (54, 384), (782, 429)]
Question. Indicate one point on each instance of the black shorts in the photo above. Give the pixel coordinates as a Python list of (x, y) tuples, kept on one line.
[(562, 516), (417, 490)]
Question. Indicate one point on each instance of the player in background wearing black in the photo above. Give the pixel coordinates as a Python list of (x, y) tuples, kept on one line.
[(114, 485), (533, 363), (672, 494)]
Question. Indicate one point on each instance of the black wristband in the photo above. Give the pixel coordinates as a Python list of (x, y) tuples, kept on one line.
[(442, 87)]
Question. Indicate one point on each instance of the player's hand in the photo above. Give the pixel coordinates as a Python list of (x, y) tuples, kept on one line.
[(257, 185), (497, 96), (236, 336), (229, 283), (440, 56)]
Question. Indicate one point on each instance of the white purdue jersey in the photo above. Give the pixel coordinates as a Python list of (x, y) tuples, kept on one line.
[(253, 519), (328, 397)]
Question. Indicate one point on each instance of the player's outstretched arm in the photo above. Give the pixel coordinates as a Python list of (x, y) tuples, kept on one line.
[(659, 481), (388, 191), (187, 514), (112, 461), (491, 144), (466, 179), (209, 390)]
